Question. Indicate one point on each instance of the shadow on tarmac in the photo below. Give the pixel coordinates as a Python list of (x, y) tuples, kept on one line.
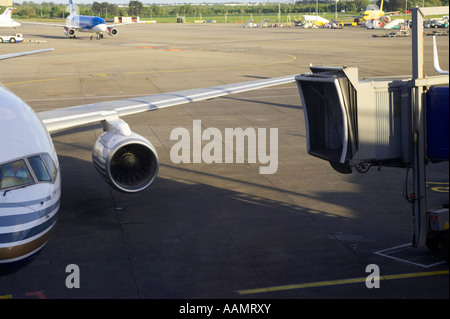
[(187, 239)]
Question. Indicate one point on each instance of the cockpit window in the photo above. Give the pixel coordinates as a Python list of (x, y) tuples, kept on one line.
[(15, 174), (97, 21), (39, 168), (51, 167), (23, 172)]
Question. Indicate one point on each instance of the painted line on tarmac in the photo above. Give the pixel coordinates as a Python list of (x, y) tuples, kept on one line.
[(439, 187), (339, 282)]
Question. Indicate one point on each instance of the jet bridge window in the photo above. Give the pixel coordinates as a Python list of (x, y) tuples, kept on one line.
[(15, 174)]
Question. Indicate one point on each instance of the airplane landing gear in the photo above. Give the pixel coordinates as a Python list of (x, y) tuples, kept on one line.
[(99, 36)]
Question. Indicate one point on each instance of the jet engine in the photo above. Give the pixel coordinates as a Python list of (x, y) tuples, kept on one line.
[(69, 32), (126, 160), (112, 31)]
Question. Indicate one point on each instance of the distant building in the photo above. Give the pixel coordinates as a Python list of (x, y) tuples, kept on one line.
[(126, 19), (6, 3)]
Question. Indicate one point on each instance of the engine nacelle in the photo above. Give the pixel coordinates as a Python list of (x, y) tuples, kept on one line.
[(112, 31), (128, 162), (69, 32)]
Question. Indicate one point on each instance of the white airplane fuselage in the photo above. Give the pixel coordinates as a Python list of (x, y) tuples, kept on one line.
[(30, 182), (9, 24)]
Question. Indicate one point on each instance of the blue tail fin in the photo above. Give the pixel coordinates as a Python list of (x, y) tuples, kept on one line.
[(72, 8)]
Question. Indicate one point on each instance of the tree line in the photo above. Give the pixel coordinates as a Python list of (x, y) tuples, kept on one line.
[(29, 9)]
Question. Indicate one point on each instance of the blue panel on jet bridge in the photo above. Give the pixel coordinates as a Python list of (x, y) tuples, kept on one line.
[(437, 128)]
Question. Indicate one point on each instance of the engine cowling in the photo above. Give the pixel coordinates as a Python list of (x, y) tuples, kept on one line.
[(69, 32), (112, 31), (128, 162)]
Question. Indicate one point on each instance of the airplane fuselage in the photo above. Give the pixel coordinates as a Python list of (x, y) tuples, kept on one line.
[(87, 23), (372, 15), (9, 24), (30, 182)]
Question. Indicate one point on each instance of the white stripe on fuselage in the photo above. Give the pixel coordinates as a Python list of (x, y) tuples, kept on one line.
[(38, 218)]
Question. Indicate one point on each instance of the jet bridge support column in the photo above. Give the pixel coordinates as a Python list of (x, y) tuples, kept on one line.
[(418, 96), (419, 172)]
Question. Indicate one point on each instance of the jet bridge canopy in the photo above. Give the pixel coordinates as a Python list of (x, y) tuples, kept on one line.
[(329, 101), (352, 122)]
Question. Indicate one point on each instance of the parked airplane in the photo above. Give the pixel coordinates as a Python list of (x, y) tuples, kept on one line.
[(92, 24), (30, 183), (373, 12), (373, 16), (6, 21)]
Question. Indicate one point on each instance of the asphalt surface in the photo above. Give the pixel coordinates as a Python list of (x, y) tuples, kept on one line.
[(220, 231)]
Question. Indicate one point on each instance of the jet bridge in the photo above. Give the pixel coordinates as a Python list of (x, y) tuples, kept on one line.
[(353, 122), (357, 123)]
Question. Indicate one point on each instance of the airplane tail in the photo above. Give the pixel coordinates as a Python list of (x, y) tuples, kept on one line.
[(8, 12), (72, 8)]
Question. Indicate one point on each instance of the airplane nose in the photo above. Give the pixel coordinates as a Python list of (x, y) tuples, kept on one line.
[(101, 27), (23, 234)]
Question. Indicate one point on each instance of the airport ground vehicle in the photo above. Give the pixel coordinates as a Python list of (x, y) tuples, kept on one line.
[(11, 38)]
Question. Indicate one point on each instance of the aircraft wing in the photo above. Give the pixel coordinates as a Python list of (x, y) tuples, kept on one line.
[(119, 24), (65, 118), (65, 26), (15, 55), (60, 25), (436, 65), (44, 23)]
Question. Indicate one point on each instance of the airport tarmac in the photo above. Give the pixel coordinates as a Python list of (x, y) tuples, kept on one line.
[(221, 231)]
